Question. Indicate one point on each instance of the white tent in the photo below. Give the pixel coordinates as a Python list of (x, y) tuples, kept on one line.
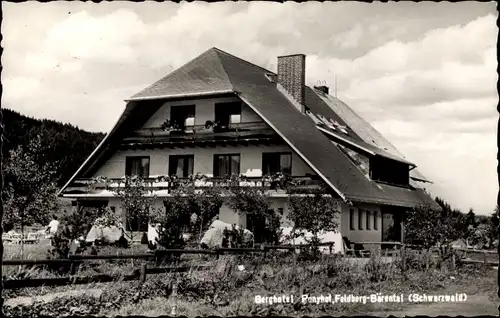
[(109, 234)]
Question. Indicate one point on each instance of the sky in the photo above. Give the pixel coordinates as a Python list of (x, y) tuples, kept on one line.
[(423, 74)]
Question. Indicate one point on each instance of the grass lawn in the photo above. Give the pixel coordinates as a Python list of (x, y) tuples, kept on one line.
[(31, 251), (41, 251), (240, 301), (224, 290)]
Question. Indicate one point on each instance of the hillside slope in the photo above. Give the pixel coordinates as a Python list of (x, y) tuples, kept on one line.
[(66, 144)]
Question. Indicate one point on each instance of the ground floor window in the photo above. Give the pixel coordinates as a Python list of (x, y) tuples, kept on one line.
[(360, 219), (351, 219)]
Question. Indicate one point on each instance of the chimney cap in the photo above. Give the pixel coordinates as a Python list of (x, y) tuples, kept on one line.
[(290, 55), (323, 88)]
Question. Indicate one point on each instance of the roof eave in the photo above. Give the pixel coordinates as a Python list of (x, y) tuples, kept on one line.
[(361, 148), (73, 177), (386, 202), (96, 150), (421, 180), (185, 95)]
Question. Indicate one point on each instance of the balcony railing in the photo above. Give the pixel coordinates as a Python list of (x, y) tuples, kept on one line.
[(199, 135), (190, 131), (293, 184)]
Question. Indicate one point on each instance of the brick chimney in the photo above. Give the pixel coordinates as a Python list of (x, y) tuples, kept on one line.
[(292, 75)]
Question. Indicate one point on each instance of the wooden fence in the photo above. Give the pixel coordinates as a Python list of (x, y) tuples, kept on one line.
[(138, 274), (143, 271), (485, 255)]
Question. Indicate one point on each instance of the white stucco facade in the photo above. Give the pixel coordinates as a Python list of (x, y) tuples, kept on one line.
[(250, 164)]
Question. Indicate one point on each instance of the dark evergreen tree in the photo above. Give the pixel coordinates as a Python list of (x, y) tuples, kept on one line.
[(457, 218), (494, 222), (471, 218), (64, 144)]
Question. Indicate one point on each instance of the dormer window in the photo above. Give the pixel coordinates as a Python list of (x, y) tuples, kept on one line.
[(227, 114), (182, 117), (389, 171)]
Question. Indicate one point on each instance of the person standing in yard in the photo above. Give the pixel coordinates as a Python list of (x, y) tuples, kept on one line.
[(52, 227)]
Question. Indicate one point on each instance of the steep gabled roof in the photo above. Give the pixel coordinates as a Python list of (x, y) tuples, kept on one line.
[(204, 74), (216, 72)]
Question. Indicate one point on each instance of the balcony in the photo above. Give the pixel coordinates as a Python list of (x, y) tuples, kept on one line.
[(160, 187), (200, 135)]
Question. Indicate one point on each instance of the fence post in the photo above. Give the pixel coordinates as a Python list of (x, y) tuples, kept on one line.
[(485, 258), (174, 298), (427, 259), (262, 247), (403, 257), (453, 262), (74, 266), (330, 247), (142, 273), (72, 269)]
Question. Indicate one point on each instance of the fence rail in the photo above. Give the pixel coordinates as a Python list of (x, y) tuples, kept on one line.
[(468, 250), (141, 273)]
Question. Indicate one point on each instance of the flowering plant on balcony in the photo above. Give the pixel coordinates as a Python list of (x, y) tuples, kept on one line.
[(276, 180), (211, 124), (214, 125), (162, 178), (101, 179), (198, 176), (169, 126)]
